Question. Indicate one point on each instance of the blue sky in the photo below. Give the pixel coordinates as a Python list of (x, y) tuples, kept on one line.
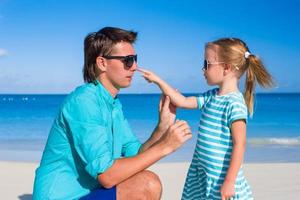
[(41, 41)]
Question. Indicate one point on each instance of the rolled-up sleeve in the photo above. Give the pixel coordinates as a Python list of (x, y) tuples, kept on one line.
[(89, 135)]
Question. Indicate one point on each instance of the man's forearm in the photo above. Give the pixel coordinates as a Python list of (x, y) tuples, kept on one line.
[(124, 168), (155, 136)]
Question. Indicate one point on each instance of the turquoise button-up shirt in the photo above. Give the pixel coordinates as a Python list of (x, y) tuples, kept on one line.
[(88, 134)]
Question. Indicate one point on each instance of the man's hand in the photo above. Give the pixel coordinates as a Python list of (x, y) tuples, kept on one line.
[(176, 135), (167, 113)]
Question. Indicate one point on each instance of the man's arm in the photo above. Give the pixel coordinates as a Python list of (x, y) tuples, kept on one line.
[(123, 168), (167, 115), (155, 136)]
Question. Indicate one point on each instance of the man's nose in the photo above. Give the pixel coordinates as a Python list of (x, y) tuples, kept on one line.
[(134, 66)]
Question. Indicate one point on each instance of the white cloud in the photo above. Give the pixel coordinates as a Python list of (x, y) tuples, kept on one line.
[(3, 52)]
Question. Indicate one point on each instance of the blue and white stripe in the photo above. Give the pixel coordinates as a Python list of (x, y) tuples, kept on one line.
[(214, 148)]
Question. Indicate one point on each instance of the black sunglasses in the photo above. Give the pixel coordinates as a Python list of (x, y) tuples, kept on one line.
[(206, 64), (128, 60)]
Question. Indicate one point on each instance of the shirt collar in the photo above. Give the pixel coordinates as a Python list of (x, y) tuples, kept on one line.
[(106, 95)]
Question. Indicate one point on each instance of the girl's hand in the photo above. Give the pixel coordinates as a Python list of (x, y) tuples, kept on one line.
[(148, 75), (227, 190)]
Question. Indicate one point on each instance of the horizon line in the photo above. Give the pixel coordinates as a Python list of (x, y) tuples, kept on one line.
[(139, 93)]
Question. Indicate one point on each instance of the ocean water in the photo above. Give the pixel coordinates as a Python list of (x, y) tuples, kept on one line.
[(273, 134)]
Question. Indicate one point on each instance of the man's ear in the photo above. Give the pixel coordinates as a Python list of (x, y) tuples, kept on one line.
[(101, 63)]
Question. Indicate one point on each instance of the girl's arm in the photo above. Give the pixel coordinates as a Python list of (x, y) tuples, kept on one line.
[(176, 97), (238, 131)]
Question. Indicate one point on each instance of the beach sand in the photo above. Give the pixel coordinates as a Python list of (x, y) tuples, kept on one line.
[(274, 181)]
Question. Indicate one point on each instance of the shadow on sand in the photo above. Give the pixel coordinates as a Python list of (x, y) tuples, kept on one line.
[(25, 197)]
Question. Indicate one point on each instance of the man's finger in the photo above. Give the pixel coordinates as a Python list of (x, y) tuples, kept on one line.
[(166, 102), (182, 125), (187, 131), (179, 124), (161, 101), (172, 108), (187, 136)]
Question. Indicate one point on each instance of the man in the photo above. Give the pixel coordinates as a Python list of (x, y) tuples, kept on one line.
[(91, 152)]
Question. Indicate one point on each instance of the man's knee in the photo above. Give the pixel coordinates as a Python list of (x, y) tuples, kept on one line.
[(152, 182), (145, 185)]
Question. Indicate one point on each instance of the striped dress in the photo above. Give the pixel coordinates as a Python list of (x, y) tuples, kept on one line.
[(213, 150)]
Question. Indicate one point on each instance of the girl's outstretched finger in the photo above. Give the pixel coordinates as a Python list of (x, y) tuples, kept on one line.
[(140, 69), (145, 72)]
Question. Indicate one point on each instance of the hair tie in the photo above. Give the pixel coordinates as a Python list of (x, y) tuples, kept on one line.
[(247, 54)]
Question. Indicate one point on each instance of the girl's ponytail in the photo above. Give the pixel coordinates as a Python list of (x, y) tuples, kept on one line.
[(255, 72)]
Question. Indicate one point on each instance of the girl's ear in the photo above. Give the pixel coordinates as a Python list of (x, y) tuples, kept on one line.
[(227, 68), (101, 63)]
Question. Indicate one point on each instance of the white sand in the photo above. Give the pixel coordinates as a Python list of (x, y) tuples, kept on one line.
[(276, 181), (268, 181)]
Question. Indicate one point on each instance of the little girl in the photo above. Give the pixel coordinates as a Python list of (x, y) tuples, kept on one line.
[(216, 168)]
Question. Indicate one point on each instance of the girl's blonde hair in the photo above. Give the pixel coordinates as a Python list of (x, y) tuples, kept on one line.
[(235, 52)]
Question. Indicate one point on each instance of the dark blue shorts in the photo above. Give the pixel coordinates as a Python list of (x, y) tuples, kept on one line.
[(102, 194)]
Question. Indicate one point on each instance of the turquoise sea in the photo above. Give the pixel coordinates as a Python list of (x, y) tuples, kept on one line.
[(273, 134)]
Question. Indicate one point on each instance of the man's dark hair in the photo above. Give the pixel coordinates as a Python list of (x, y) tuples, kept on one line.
[(101, 43)]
